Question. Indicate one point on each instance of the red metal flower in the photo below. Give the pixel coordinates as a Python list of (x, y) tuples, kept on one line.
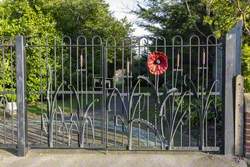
[(157, 63)]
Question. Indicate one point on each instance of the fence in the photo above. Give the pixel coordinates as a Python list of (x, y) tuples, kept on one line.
[(98, 93)]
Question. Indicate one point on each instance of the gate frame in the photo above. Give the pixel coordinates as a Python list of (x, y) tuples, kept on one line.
[(22, 124), (231, 68)]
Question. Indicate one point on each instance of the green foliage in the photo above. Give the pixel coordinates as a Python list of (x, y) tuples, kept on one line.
[(45, 21), (201, 17), (18, 17), (173, 18), (6, 80), (222, 16), (85, 17), (246, 66), (88, 18)]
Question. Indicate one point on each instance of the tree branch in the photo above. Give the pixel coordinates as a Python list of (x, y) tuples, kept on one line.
[(243, 16), (195, 25)]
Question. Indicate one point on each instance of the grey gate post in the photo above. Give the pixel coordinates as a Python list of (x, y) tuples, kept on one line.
[(22, 144), (232, 67)]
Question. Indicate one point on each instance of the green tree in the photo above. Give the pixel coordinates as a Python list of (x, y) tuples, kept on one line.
[(202, 17), (18, 17), (222, 16), (46, 21), (85, 17), (88, 18), (169, 18)]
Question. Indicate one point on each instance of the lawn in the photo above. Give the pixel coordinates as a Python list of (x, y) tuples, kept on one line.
[(67, 104)]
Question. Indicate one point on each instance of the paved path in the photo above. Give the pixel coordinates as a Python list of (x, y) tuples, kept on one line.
[(74, 158)]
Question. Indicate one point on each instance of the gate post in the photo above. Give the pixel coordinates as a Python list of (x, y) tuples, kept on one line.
[(232, 67), (22, 144)]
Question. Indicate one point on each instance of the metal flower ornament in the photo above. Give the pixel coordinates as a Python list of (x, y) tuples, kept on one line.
[(157, 63)]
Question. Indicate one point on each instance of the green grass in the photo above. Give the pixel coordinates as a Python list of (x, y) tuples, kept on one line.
[(40, 107)]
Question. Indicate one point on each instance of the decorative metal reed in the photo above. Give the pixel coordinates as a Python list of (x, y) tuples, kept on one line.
[(131, 108), (203, 102), (79, 120), (83, 118)]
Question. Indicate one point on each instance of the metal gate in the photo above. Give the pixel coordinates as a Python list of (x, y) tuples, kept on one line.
[(99, 93), (8, 108)]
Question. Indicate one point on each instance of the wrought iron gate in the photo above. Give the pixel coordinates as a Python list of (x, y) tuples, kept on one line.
[(98, 93)]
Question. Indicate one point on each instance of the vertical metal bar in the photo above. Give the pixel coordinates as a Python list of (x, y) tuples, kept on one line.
[(216, 90), (104, 95), (22, 144), (231, 69), (81, 95), (189, 97), (86, 80), (105, 63), (130, 128), (198, 72), (62, 80), (3, 85), (207, 82), (148, 120), (77, 64), (50, 121), (86, 72), (114, 82), (123, 52), (139, 108), (173, 85), (202, 91), (55, 81), (172, 63), (70, 77), (131, 63), (12, 88), (93, 83), (123, 75), (202, 98), (165, 51), (206, 132), (41, 94), (182, 69), (127, 74)]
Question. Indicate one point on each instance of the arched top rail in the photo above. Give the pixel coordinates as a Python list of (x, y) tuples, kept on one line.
[(162, 39), (66, 39), (112, 40), (127, 39), (157, 41), (210, 39), (79, 39), (97, 37), (177, 39), (141, 40), (194, 38)]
